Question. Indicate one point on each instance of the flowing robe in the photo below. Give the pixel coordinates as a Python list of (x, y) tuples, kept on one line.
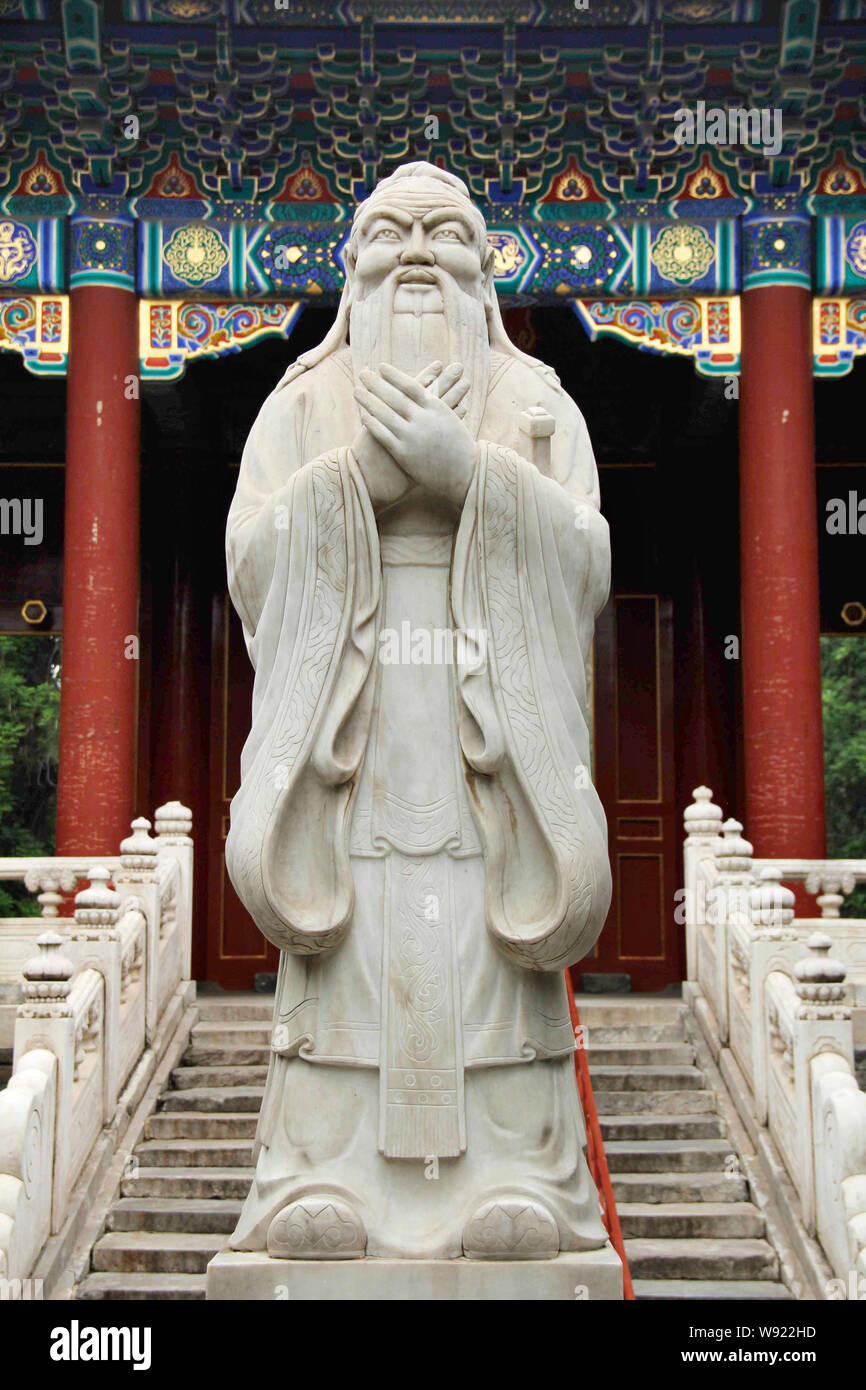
[(422, 842)]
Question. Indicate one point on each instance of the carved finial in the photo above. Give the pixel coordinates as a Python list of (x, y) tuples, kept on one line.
[(702, 817), (97, 906), (771, 904), (830, 889), (47, 979), (734, 855), (50, 883), (138, 852), (174, 823), (821, 980)]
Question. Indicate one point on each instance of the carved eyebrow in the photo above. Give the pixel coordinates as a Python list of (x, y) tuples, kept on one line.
[(438, 215), (403, 219)]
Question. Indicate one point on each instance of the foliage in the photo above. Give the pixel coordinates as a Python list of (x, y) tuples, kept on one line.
[(29, 731), (843, 678)]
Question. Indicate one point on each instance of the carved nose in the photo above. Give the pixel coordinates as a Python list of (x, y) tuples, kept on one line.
[(416, 253)]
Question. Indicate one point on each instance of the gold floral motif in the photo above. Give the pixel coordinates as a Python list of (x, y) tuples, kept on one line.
[(683, 253), (196, 254)]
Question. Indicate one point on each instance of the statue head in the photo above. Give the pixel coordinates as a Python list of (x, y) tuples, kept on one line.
[(419, 283), (419, 276), (431, 218)]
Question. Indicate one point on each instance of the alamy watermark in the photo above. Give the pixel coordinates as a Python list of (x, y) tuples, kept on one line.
[(20, 1290), (22, 516), (438, 646), (735, 125), (846, 516)]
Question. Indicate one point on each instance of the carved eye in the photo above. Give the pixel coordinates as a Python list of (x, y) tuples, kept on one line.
[(385, 234), (446, 234)]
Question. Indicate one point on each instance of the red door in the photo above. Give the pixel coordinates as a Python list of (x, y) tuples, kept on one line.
[(633, 769), (236, 949)]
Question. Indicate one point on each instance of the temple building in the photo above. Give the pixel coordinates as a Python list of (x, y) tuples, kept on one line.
[(675, 192)]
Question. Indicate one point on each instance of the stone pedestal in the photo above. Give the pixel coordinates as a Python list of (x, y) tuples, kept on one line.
[(590, 1275)]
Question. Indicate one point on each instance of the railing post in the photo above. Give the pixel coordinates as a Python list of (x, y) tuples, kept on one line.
[(45, 1020), (822, 1023), (734, 860), (174, 838), (830, 889), (97, 946), (771, 911), (701, 821), (50, 884), (138, 867)]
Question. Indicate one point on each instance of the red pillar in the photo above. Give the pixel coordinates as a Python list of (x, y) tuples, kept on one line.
[(784, 753), (96, 787)]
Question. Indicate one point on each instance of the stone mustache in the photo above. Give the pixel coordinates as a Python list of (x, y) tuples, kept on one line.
[(420, 839)]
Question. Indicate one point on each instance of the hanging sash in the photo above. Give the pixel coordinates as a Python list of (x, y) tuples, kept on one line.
[(421, 1107)]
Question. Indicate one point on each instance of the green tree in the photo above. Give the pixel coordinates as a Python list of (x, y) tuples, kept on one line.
[(29, 730), (843, 682)]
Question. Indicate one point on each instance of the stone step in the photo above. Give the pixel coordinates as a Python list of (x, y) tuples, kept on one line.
[(639, 1054), (127, 1287), (678, 1187), (652, 1102), (649, 1034), (194, 1078), (749, 1290), (237, 1034), (233, 1100), (205, 1215), (692, 1219), (194, 1153), (673, 1258), (235, 1008), (217, 1054), (155, 1252), (200, 1124), (628, 1012), (182, 1183), (667, 1155), (643, 1078), (661, 1127)]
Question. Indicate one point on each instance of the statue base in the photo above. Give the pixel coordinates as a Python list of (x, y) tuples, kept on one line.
[(571, 1276)]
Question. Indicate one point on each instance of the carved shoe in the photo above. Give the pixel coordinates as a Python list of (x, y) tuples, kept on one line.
[(317, 1228), (511, 1228)]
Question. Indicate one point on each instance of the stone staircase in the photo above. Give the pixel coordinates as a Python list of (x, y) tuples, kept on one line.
[(690, 1229), (689, 1226), (185, 1185)]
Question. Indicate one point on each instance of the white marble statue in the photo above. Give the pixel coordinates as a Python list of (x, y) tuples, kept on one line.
[(416, 828)]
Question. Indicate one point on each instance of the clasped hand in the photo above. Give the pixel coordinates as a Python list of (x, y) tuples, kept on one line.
[(417, 421)]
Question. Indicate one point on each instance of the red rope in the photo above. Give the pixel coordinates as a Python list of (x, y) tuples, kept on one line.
[(595, 1156)]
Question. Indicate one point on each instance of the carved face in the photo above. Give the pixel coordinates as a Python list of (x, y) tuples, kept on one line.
[(419, 284), (417, 249)]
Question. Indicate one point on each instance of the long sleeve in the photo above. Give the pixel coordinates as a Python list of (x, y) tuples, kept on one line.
[(534, 581)]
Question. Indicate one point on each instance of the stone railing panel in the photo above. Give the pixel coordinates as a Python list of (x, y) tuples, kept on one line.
[(839, 1143), (94, 993), (27, 1109), (782, 1003)]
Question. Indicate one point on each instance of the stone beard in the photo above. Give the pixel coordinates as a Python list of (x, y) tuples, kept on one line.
[(412, 835), (411, 326)]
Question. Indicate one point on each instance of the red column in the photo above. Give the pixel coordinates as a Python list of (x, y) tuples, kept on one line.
[(99, 684), (784, 753)]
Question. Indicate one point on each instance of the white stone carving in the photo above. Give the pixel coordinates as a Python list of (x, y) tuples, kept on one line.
[(80, 1027), (411, 833), (787, 1006)]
